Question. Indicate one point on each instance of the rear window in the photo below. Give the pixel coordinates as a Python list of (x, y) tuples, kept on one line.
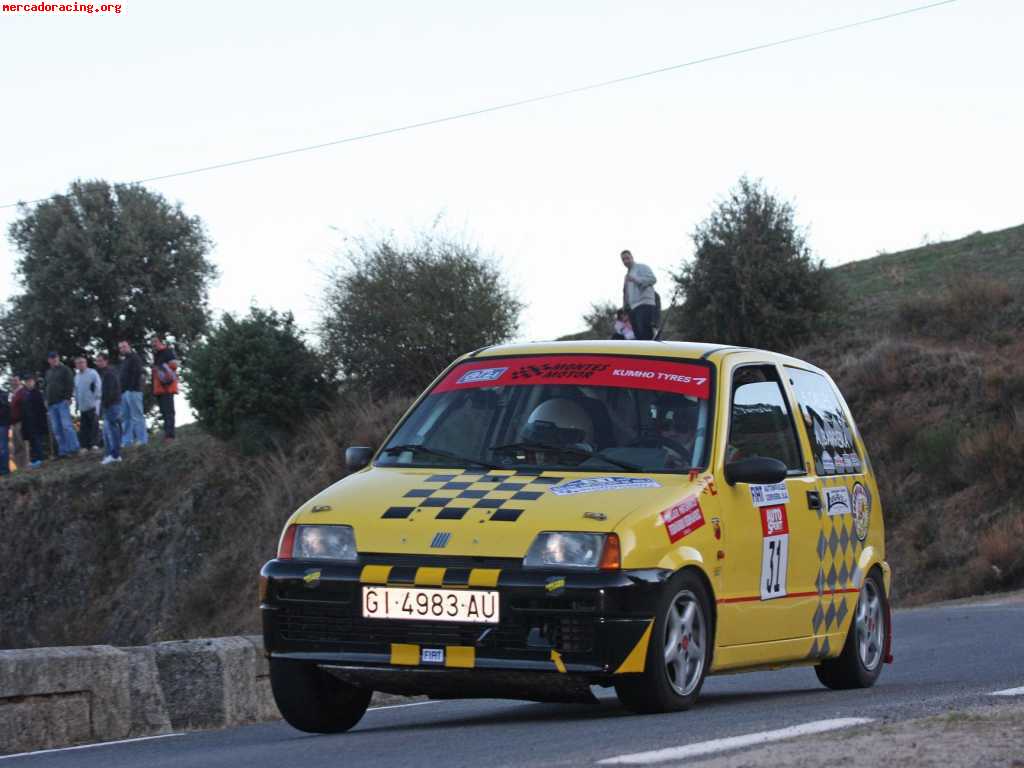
[(835, 450), (585, 412)]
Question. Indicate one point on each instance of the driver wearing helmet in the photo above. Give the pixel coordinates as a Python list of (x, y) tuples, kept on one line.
[(560, 422)]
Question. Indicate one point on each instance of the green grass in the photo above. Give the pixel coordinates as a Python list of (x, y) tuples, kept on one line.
[(875, 287)]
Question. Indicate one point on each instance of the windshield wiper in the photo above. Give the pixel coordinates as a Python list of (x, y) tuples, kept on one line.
[(420, 448), (539, 446)]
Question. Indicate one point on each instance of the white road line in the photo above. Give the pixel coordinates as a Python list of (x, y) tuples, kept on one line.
[(90, 746), (733, 742), (1009, 692), (398, 706)]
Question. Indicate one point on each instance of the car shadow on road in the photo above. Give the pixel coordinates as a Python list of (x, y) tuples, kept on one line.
[(604, 708)]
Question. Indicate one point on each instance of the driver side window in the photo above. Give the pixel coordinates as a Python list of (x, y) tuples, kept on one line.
[(761, 423)]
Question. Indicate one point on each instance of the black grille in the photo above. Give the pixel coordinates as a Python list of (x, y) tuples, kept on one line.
[(521, 629)]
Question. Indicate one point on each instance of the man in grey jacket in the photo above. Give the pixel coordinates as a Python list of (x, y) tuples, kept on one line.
[(638, 297), (87, 397)]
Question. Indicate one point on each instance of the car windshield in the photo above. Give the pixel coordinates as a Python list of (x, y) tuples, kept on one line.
[(582, 412)]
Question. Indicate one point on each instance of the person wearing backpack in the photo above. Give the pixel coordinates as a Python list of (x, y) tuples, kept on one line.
[(165, 383)]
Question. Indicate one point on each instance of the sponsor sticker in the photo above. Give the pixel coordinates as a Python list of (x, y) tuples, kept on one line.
[(774, 551), (555, 585), (691, 379), (595, 484), (477, 375), (837, 501), (861, 511), (682, 519), (776, 493), (827, 463), (774, 521), (432, 656)]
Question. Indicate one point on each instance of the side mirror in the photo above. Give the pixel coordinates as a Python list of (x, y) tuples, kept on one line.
[(758, 470), (357, 457)]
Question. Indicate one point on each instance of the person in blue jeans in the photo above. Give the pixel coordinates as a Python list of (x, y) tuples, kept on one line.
[(60, 385), (131, 375), (110, 408)]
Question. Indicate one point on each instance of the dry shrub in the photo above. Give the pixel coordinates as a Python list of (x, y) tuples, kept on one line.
[(1002, 548), (966, 306), (995, 453)]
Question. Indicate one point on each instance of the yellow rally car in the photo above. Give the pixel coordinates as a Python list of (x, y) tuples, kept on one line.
[(550, 517)]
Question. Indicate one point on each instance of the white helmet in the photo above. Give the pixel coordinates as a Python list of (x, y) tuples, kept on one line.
[(553, 416)]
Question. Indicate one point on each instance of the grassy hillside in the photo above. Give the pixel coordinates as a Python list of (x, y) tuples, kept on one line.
[(875, 288)]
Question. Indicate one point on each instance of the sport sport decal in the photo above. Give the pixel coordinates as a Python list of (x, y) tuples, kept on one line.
[(595, 484), (861, 510), (690, 379), (776, 493), (683, 518), (775, 551), (837, 501)]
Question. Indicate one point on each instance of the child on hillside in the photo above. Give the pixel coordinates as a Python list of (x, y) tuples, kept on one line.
[(623, 329)]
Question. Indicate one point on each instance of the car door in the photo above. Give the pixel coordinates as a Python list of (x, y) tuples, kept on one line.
[(768, 532)]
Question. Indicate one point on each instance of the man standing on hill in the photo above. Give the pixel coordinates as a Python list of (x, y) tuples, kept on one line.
[(165, 383), (87, 397), (131, 395), (638, 297), (110, 407), (60, 386)]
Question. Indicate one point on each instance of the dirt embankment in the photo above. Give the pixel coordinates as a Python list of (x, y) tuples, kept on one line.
[(166, 545)]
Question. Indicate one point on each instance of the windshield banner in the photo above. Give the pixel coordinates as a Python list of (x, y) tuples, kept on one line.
[(586, 370)]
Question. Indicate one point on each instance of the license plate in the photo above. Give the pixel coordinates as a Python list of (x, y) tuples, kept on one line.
[(465, 605)]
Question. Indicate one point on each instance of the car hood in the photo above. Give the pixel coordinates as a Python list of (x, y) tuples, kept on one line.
[(487, 514)]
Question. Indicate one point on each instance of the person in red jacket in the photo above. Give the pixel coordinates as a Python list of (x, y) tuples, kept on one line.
[(20, 446), (165, 382)]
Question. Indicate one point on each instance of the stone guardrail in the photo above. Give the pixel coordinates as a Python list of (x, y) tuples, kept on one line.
[(55, 697)]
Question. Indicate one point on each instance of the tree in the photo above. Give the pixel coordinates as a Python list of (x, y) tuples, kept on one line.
[(100, 264), (598, 322), (256, 374), (752, 281), (393, 317)]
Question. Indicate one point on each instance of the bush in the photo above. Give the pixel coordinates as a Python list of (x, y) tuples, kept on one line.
[(256, 379), (752, 281), (394, 317)]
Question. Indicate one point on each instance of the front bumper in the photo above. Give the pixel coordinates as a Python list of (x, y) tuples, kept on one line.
[(584, 626)]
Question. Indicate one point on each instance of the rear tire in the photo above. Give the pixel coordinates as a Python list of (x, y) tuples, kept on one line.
[(314, 701), (860, 663), (679, 651)]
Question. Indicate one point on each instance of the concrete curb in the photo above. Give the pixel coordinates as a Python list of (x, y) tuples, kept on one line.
[(57, 697)]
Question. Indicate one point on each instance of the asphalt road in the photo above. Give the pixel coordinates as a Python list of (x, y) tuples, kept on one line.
[(947, 657)]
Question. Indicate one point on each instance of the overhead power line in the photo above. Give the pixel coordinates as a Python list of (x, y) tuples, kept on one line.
[(530, 100)]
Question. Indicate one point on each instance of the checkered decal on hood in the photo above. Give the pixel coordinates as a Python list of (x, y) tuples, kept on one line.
[(503, 495)]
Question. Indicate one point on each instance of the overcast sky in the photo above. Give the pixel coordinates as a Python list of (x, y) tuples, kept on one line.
[(881, 135)]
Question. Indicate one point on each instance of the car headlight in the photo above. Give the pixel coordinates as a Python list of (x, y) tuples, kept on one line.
[(574, 550), (318, 542)]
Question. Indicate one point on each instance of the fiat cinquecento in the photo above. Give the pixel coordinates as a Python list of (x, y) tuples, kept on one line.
[(551, 517)]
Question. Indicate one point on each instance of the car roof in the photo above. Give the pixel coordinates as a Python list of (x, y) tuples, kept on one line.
[(687, 350)]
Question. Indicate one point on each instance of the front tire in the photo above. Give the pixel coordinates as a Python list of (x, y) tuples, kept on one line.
[(679, 652), (314, 701), (860, 663)]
